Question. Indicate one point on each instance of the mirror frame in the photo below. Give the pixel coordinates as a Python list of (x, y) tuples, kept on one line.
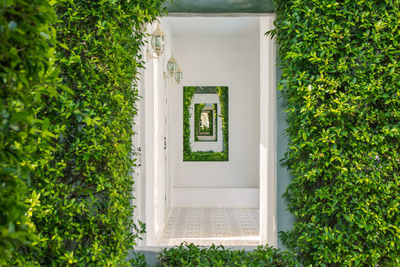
[(223, 96)]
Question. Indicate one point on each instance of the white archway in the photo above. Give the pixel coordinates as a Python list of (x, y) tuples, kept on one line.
[(155, 191)]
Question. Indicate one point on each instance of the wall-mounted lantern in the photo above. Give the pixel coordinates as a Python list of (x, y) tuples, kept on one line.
[(158, 42), (172, 65), (174, 71), (178, 75)]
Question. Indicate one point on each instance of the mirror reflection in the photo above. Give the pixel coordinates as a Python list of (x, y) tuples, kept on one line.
[(205, 122)]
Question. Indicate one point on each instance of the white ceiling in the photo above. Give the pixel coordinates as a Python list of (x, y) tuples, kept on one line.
[(181, 26)]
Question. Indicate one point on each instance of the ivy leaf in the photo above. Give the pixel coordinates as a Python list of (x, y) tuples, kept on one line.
[(304, 136)]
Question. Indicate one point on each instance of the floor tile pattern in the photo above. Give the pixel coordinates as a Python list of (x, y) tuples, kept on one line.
[(206, 226)]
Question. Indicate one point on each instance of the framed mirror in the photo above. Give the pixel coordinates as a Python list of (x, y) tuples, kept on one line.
[(205, 123)]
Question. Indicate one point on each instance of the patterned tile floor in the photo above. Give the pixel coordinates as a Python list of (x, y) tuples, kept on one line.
[(206, 226)]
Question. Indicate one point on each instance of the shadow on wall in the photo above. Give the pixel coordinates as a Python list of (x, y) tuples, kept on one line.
[(285, 219), (221, 6)]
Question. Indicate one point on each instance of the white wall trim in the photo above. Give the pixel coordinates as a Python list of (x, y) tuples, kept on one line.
[(216, 197), (148, 159), (189, 14), (268, 162), (153, 184)]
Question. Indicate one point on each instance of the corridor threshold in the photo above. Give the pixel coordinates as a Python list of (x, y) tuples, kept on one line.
[(207, 226)]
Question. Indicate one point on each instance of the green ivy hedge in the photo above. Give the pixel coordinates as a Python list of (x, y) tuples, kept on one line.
[(197, 113), (85, 216), (28, 76), (341, 74), (191, 255), (66, 158)]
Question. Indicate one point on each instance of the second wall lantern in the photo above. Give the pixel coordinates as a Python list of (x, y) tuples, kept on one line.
[(172, 65), (178, 75)]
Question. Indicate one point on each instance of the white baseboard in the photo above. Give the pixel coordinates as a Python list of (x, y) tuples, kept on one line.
[(216, 197)]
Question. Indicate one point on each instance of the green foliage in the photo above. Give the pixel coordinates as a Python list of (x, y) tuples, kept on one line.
[(138, 259), (27, 78), (215, 119), (188, 93), (197, 113), (341, 74), (224, 101), (191, 255), (66, 131)]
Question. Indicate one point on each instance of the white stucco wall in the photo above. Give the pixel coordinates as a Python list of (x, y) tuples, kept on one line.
[(229, 58), (151, 179)]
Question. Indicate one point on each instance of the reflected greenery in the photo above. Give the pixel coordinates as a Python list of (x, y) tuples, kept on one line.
[(205, 122), (209, 126)]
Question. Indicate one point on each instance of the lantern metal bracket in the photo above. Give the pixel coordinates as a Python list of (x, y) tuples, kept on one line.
[(149, 55), (166, 76)]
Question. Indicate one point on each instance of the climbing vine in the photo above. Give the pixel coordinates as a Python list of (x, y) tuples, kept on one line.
[(69, 72), (28, 77), (341, 76)]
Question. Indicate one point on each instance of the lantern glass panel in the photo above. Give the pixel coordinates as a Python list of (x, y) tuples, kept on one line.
[(178, 76), (171, 66), (158, 43)]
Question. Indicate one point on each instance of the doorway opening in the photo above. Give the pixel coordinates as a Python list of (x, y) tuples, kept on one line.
[(232, 203)]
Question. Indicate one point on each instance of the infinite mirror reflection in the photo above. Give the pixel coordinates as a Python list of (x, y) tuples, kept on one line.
[(205, 128), (205, 122)]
